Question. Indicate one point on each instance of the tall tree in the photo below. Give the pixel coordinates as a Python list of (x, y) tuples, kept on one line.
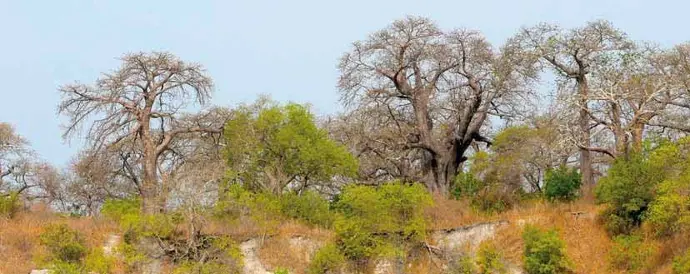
[(435, 89), (141, 103), (572, 54)]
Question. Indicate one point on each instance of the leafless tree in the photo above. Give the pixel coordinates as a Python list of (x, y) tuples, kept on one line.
[(434, 89), (140, 103), (573, 54)]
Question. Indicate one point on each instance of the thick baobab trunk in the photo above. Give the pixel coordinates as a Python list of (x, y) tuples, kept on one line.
[(149, 190), (637, 131), (585, 155)]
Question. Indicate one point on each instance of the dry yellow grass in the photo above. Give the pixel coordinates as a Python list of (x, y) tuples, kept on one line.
[(587, 243), (19, 237), (277, 251)]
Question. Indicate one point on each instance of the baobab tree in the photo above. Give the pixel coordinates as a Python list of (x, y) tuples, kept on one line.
[(435, 88), (572, 54), (140, 103)]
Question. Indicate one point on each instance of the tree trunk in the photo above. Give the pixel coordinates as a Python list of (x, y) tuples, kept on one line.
[(637, 132), (149, 190), (585, 157)]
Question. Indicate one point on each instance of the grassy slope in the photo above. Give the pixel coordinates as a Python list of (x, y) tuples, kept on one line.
[(587, 243)]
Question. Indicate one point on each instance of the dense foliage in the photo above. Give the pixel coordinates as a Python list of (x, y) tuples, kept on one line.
[(562, 184), (271, 147), (544, 252), (380, 221)]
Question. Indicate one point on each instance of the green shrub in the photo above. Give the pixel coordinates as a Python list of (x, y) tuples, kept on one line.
[(97, 262), (309, 207), (466, 185), (669, 213), (264, 208), (487, 195), (59, 267), (63, 243), (490, 260), (544, 252), (681, 263), (327, 259), (9, 205), (562, 184), (379, 220), (462, 265), (627, 189), (630, 253)]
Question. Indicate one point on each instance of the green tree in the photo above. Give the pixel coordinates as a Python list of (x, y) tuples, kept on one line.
[(562, 184), (628, 190), (631, 184), (271, 146)]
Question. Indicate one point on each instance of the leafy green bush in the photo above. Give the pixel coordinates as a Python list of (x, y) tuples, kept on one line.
[(466, 185), (562, 184), (63, 243), (264, 208), (489, 259), (309, 207), (60, 267), (9, 205), (681, 263), (628, 189), (669, 213), (378, 220), (544, 252), (327, 259), (97, 262), (486, 195), (630, 253)]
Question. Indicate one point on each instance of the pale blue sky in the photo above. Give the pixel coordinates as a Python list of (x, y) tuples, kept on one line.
[(288, 49)]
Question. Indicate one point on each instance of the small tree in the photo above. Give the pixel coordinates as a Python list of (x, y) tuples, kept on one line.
[(562, 184), (628, 189), (271, 147)]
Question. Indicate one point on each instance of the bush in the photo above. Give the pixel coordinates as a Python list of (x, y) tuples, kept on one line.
[(466, 185), (544, 252), (489, 259), (327, 259), (60, 267), (309, 207), (669, 213), (627, 189), (462, 265), (681, 264), (379, 220), (562, 184), (630, 253), (63, 243), (263, 208), (9, 205), (97, 262)]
